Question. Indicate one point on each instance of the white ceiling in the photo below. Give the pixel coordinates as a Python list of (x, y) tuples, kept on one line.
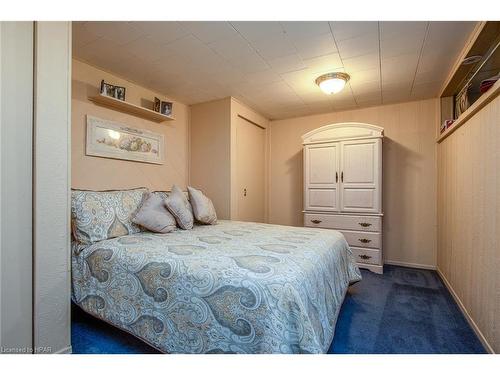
[(271, 66)]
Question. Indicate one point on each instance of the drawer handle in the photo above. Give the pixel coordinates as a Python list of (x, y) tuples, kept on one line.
[(365, 224), (363, 256), (364, 240), (316, 221)]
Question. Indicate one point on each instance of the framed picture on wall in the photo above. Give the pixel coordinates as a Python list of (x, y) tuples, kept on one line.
[(108, 139), (166, 108), (157, 105)]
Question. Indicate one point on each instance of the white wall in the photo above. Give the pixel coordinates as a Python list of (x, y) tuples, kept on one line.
[(16, 111), (52, 137)]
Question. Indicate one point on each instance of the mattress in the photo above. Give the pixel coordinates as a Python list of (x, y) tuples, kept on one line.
[(234, 287)]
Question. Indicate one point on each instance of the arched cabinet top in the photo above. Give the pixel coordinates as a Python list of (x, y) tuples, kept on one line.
[(342, 131)]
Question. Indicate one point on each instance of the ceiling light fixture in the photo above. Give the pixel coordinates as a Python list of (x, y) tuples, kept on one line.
[(332, 83)]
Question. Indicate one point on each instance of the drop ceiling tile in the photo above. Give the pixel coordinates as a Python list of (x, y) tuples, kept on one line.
[(361, 45), (210, 31), (395, 97), (324, 64), (369, 101), (302, 29), (257, 30), (103, 53), (263, 77), (179, 64), (315, 96), (392, 47), (361, 63), (82, 35), (429, 89), (345, 94), (448, 35), (344, 104), (228, 76), (365, 87), (399, 38), (368, 96), (251, 63), (343, 30), (274, 46), (165, 32), (389, 29), (117, 32), (363, 76), (315, 45), (430, 76), (399, 90), (399, 68), (190, 47), (277, 91), (150, 49), (436, 59), (302, 81), (232, 47), (320, 107), (200, 61), (286, 64)]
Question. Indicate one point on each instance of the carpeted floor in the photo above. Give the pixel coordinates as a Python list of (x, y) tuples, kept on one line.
[(405, 310)]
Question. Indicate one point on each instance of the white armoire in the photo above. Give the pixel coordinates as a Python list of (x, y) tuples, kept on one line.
[(343, 186)]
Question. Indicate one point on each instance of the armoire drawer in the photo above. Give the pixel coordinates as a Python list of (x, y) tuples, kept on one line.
[(362, 239), (369, 256), (346, 222)]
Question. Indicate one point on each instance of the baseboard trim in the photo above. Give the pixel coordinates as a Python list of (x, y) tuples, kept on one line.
[(412, 265), (466, 314), (66, 350)]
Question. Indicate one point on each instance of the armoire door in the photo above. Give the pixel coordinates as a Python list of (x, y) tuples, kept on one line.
[(250, 171), (360, 172), (321, 163)]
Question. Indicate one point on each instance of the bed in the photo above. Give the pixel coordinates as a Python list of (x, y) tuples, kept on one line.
[(234, 287)]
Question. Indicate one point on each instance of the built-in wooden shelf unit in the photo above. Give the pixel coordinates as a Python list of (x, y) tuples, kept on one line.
[(484, 42), (133, 109)]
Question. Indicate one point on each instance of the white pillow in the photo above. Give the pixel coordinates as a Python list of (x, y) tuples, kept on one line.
[(180, 208), (154, 216), (203, 208)]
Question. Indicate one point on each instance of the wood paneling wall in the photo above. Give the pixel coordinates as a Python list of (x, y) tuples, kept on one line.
[(469, 219)]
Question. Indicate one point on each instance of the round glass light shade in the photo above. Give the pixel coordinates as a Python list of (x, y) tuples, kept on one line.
[(332, 83)]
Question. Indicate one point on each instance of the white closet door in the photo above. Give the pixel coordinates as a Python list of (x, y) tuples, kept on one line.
[(250, 169), (360, 175), (321, 178)]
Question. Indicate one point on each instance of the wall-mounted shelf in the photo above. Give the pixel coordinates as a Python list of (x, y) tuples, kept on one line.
[(487, 97), (133, 109), (462, 88)]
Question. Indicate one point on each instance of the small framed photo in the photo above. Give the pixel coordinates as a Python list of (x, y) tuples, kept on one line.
[(166, 108), (107, 89), (120, 93), (157, 105)]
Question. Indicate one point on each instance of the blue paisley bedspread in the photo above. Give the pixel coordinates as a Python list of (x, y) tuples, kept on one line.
[(234, 287)]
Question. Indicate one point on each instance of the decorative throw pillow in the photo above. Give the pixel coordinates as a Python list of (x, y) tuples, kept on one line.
[(99, 215), (203, 208), (179, 206), (154, 216)]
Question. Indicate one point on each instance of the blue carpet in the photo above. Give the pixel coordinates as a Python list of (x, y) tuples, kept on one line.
[(405, 310)]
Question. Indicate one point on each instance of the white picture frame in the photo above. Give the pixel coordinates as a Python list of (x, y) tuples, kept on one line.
[(109, 139)]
